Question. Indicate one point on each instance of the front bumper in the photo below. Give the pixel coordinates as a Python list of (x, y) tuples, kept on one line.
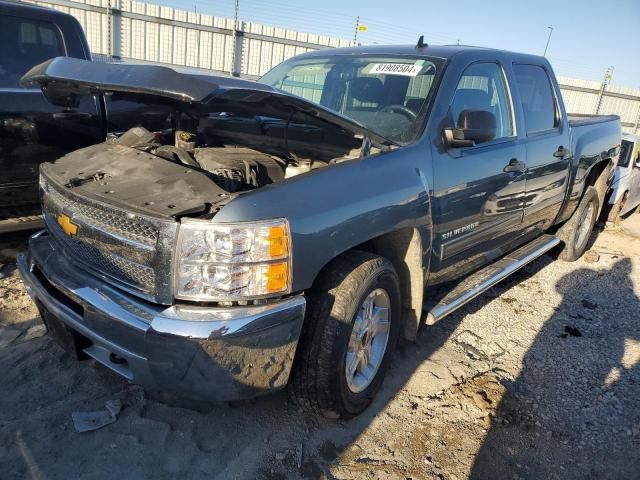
[(210, 353)]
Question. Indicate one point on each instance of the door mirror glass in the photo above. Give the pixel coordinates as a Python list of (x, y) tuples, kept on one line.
[(473, 126)]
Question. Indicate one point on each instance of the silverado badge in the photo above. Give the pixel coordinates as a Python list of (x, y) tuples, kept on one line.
[(67, 225)]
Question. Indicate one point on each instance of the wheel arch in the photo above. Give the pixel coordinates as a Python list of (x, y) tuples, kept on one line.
[(405, 249), (598, 177)]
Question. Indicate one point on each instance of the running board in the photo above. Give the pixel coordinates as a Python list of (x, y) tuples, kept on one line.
[(481, 281), (21, 223)]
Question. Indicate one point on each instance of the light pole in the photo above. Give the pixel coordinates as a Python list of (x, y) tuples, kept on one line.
[(548, 40)]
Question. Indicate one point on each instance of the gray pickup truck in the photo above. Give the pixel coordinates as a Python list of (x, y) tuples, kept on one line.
[(290, 231)]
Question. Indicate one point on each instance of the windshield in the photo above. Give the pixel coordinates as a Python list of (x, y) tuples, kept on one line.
[(386, 94)]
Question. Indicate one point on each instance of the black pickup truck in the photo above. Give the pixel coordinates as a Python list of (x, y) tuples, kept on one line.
[(292, 230), (33, 130)]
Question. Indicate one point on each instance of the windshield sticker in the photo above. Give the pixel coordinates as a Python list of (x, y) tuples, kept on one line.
[(405, 69)]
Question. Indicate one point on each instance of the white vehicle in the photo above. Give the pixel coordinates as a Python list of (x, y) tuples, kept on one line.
[(625, 190)]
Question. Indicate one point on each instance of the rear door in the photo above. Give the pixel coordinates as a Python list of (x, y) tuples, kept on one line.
[(32, 130), (547, 145), (478, 189)]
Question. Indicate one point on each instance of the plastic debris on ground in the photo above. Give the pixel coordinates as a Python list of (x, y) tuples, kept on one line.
[(88, 421)]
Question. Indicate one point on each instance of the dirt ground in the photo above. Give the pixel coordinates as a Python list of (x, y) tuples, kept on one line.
[(538, 378)]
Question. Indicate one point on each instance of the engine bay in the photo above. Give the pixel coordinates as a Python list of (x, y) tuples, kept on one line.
[(234, 168), (194, 172)]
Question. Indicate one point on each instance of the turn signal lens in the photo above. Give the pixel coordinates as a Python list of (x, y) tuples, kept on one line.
[(278, 242), (277, 277)]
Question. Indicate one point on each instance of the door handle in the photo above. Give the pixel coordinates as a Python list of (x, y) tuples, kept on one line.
[(515, 165), (561, 152), (71, 116)]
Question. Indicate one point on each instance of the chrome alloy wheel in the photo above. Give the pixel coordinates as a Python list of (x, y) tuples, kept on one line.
[(368, 340), (584, 226)]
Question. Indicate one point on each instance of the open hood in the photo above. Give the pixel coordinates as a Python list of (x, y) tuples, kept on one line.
[(63, 80)]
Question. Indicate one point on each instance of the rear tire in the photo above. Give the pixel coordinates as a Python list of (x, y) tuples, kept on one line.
[(576, 232), (336, 310)]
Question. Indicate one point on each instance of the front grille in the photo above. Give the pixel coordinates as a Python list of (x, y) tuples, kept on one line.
[(130, 250), (115, 223), (113, 265)]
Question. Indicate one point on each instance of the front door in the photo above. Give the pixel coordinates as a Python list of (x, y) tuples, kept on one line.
[(479, 189), (32, 130)]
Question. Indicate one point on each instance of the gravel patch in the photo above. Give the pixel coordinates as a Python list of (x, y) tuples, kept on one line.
[(537, 378)]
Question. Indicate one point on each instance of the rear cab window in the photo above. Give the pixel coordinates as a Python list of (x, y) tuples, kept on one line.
[(538, 99), (25, 43)]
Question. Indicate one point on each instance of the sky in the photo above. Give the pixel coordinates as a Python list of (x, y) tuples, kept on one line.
[(588, 36)]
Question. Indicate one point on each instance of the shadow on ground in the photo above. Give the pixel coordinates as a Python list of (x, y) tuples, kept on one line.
[(574, 394), (556, 419)]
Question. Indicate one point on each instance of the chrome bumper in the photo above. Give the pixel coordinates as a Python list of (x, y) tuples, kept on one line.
[(210, 353)]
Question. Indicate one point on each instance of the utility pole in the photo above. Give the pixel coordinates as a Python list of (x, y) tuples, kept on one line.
[(236, 53), (355, 32), (114, 29), (109, 49), (605, 83), (548, 40)]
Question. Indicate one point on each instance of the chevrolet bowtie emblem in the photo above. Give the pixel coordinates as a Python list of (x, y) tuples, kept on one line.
[(67, 225)]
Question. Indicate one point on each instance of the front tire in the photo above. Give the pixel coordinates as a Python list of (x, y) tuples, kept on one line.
[(576, 232), (350, 332)]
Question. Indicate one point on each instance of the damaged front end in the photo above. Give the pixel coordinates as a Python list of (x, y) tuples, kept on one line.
[(241, 135), (225, 137), (134, 267)]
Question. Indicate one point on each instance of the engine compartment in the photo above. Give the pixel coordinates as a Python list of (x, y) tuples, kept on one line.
[(234, 168), (195, 163)]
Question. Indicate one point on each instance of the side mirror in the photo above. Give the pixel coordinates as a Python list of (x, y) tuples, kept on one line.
[(474, 126), (60, 97)]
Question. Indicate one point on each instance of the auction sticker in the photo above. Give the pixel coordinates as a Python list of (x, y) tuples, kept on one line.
[(406, 69)]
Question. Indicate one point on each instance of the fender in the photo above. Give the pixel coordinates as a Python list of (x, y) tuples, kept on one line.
[(334, 209)]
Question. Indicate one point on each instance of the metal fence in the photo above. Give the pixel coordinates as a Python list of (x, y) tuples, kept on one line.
[(127, 30), (588, 97)]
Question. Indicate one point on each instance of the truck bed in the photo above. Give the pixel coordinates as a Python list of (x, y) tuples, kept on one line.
[(578, 119)]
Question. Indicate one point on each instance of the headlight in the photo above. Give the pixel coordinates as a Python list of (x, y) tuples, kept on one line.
[(243, 261)]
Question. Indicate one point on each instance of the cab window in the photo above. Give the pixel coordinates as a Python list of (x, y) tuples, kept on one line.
[(483, 87), (538, 101), (25, 43)]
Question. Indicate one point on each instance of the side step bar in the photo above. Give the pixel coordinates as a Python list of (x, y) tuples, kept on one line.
[(21, 223), (489, 276)]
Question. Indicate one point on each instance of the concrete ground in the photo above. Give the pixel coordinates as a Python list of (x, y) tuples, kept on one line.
[(538, 378)]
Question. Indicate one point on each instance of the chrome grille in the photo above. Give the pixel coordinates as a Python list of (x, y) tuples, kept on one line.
[(129, 272), (129, 250), (106, 220)]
